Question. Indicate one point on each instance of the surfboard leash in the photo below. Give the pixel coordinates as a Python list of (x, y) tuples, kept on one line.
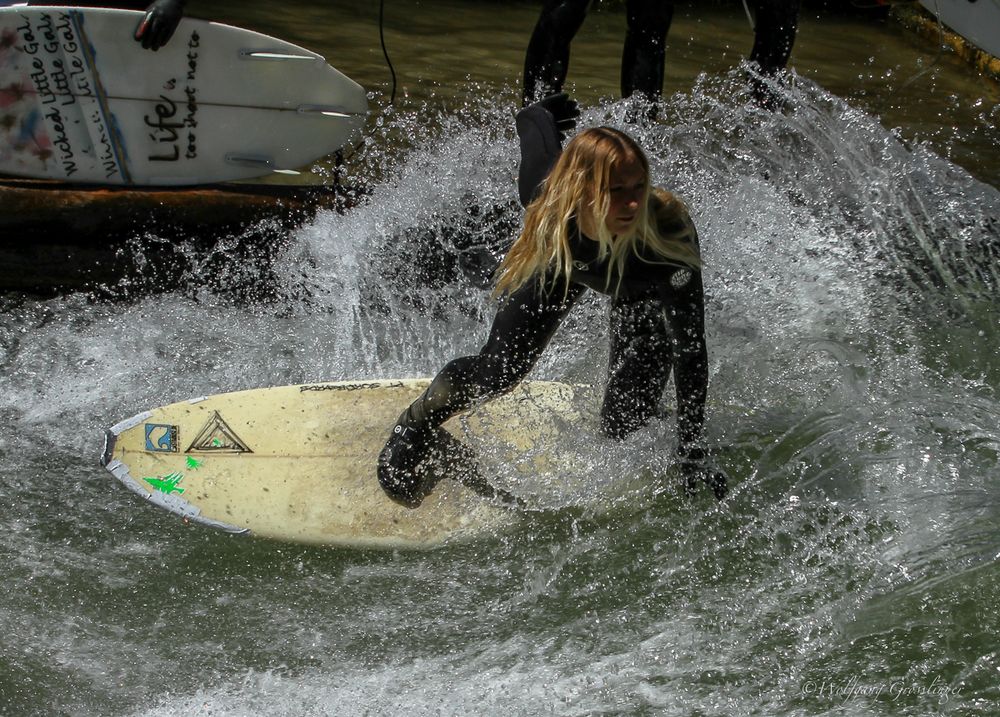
[(385, 52)]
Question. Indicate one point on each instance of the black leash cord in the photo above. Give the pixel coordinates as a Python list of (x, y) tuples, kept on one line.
[(385, 52)]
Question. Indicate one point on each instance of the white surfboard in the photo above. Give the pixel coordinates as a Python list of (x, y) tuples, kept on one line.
[(82, 101), (978, 22), (298, 463)]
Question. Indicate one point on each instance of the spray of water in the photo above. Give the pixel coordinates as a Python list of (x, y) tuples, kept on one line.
[(853, 370)]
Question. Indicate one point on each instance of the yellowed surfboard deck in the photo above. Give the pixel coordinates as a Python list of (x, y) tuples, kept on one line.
[(297, 463)]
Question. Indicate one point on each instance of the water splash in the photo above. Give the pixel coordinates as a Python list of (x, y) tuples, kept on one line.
[(852, 339)]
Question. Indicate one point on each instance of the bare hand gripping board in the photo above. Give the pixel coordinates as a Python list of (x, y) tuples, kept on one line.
[(297, 463), (82, 101)]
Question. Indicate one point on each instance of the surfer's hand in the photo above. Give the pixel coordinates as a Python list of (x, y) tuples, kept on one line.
[(563, 110), (159, 23), (695, 469)]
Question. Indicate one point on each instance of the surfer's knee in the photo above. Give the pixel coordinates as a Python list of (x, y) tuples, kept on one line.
[(562, 19), (632, 397)]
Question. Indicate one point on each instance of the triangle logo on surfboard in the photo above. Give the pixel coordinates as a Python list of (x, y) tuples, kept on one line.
[(217, 437)]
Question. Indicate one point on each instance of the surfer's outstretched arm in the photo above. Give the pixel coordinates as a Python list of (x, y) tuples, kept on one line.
[(685, 315)]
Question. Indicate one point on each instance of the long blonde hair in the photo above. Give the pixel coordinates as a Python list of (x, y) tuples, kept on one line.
[(579, 186)]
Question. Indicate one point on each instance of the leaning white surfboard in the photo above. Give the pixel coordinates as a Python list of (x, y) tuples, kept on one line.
[(82, 101), (978, 22), (298, 463)]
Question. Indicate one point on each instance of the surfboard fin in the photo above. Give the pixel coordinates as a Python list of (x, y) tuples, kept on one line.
[(256, 160), (326, 111), (248, 54)]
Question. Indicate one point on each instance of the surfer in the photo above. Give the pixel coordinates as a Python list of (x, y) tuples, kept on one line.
[(157, 25), (592, 221), (643, 54)]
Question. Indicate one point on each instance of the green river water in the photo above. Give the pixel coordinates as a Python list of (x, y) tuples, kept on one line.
[(850, 243)]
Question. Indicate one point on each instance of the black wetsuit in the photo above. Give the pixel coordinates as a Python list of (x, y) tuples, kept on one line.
[(657, 323), (647, 22)]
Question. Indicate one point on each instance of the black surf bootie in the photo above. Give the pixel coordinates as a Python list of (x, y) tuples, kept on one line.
[(402, 464)]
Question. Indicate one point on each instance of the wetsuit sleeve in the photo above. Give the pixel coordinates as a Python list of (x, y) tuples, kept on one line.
[(539, 138), (685, 314)]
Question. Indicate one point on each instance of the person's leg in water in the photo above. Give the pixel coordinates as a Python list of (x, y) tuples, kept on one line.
[(644, 51), (546, 60), (775, 27), (523, 326), (639, 365)]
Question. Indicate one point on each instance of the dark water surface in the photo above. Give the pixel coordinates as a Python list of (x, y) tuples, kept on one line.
[(446, 52), (850, 245)]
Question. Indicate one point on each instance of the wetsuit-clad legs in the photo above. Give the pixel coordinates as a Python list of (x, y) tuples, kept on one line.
[(644, 52), (638, 367), (775, 25), (523, 327), (547, 59)]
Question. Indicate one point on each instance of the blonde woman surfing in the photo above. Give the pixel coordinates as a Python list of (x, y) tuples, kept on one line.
[(592, 221)]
